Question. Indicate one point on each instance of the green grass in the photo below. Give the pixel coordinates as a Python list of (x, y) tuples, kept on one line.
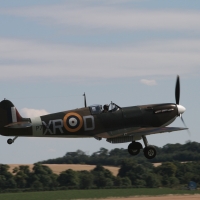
[(86, 194)]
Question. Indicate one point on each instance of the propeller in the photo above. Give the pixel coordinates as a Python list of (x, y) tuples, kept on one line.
[(177, 90), (181, 109), (185, 125)]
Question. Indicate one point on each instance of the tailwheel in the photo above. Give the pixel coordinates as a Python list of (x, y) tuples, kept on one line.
[(9, 141), (149, 152), (134, 148)]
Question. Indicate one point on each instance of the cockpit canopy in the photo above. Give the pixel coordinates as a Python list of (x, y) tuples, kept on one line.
[(97, 108)]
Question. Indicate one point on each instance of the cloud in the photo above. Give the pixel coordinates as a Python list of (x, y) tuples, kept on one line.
[(28, 59), (21, 59), (27, 112), (51, 150), (148, 82), (101, 17)]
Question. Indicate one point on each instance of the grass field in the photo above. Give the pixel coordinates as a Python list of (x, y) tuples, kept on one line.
[(94, 194), (57, 168)]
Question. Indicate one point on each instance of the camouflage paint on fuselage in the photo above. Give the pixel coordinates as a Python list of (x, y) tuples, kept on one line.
[(81, 123)]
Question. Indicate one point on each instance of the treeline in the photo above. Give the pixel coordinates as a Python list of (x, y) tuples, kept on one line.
[(131, 174), (190, 151)]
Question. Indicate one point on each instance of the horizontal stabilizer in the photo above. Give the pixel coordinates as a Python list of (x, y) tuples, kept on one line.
[(19, 125)]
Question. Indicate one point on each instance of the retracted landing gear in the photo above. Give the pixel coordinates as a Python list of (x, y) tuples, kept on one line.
[(10, 141), (149, 150), (134, 148)]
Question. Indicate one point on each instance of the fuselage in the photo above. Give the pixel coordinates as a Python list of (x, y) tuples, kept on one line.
[(89, 121)]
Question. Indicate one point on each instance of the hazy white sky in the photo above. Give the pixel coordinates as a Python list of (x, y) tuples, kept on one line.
[(129, 52)]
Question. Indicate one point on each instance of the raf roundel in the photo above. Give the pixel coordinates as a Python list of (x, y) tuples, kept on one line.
[(73, 122)]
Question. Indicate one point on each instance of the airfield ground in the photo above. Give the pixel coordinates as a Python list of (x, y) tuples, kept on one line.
[(106, 194), (167, 197)]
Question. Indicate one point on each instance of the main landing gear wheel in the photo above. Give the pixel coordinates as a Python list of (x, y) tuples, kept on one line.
[(149, 152), (9, 141), (134, 148)]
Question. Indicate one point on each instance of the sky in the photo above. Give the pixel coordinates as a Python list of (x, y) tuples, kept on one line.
[(125, 51)]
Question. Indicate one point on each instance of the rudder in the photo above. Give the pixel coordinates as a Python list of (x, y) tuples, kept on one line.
[(8, 113)]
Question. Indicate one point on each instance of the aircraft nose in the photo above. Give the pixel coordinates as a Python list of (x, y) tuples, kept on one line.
[(181, 109)]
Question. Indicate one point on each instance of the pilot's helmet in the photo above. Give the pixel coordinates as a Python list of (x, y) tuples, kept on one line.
[(106, 107)]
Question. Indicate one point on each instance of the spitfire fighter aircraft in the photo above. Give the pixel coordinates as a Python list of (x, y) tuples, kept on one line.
[(116, 125)]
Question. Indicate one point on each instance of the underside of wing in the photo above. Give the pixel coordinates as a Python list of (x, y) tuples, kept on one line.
[(137, 134), (149, 131)]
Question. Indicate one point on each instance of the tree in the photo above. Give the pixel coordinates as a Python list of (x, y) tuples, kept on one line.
[(37, 185), (102, 177), (135, 172), (11, 183), (126, 182), (3, 184), (22, 176), (44, 175), (103, 152), (21, 180), (85, 179), (139, 183), (169, 153), (6, 178), (152, 181), (126, 166), (68, 178), (168, 169), (173, 182)]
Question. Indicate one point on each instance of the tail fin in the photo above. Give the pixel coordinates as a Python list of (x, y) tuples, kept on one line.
[(8, 113)]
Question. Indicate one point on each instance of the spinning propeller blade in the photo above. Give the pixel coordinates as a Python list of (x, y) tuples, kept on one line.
[(185, 125)]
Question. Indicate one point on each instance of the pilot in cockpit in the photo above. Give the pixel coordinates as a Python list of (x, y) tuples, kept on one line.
[(105, 108)]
